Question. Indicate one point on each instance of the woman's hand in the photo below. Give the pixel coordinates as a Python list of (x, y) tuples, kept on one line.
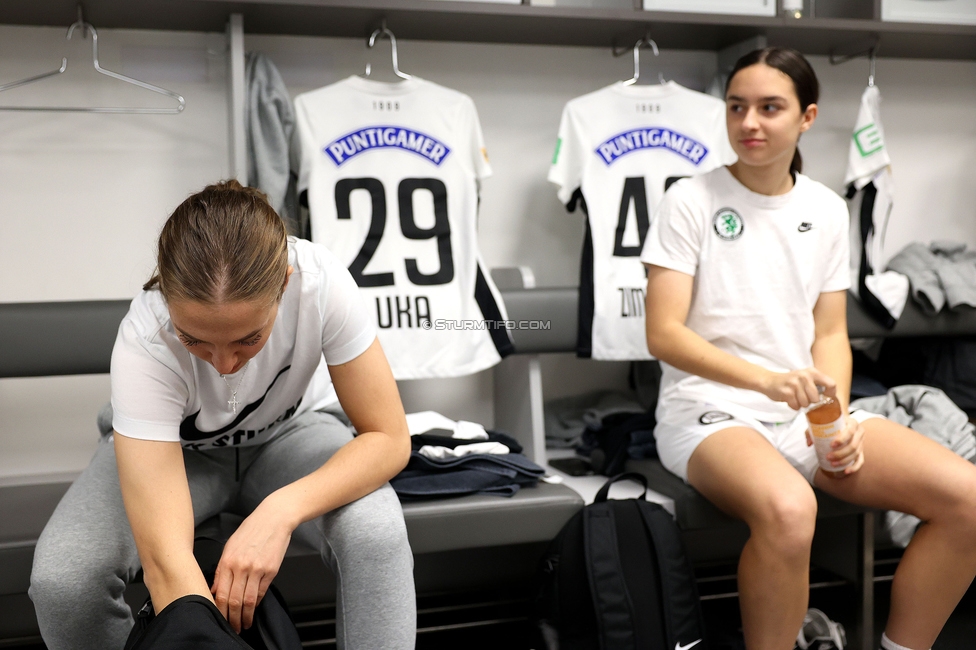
[(798, 388), (848, 445), (250, 561)]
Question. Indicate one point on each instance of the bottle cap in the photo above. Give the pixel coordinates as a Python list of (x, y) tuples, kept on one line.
[(824, 399)]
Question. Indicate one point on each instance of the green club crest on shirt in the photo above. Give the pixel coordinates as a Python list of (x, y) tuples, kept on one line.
[(728, 224)]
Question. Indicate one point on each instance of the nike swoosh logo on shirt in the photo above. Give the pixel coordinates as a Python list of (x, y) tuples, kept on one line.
[(190, 432), (678, 646)]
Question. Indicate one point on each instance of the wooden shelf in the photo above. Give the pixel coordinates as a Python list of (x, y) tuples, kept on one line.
[(441, 20)]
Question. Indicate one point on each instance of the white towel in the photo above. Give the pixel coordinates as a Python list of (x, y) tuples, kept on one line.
[(424, 421), (435, 452)]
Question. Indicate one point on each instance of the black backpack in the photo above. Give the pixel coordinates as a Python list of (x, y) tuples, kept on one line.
[(617, 578), (195, 622)]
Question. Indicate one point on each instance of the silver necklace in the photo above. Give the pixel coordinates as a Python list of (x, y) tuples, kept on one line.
[(232, 402)]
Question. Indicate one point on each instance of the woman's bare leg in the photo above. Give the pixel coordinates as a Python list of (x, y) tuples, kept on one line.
[(740, 472), (907, 472)]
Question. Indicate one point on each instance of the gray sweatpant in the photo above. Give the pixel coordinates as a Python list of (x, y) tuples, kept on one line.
[(86, 554)]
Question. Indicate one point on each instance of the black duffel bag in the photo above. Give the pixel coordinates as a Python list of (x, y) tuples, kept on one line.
[(194, 622)]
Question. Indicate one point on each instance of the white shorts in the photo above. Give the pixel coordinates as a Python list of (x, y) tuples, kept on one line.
[(683, 424)]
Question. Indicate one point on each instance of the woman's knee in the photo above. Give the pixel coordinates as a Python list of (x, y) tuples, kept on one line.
[(786, 520), (69, 584), (957, 509), (71, 564), (371, 527)]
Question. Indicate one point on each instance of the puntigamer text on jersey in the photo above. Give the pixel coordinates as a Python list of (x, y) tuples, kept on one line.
[(379, 137), (651, 138)]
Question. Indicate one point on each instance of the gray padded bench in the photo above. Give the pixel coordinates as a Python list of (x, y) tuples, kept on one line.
[(462, 544)]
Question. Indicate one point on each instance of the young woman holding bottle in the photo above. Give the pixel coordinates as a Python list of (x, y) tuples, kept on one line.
[(746, 309)]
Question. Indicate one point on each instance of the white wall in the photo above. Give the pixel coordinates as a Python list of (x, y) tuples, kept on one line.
[(82, 196)]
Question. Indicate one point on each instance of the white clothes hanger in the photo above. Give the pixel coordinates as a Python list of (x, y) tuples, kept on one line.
[(84, 26)]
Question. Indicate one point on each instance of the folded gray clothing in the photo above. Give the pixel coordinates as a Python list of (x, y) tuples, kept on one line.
[(930, 412), (567, 417), (919, 263), (563, 443), (943, 273), (611, 403), (947, 248), (958, 280), (899, 527)]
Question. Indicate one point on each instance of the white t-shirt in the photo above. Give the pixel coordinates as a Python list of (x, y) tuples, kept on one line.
[(618, 146), (760, 264), (392, 173), (162, 392)]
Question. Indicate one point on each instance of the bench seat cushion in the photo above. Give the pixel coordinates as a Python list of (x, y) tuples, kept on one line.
[(695, 512), (533, 514)]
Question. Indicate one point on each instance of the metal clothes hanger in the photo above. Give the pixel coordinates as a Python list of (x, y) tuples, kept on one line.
[(646, 40), (871, 52), (80, 23), (379, 33)]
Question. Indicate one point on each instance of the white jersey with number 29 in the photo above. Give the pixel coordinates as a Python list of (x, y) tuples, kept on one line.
[(392, 172), (617, 148)]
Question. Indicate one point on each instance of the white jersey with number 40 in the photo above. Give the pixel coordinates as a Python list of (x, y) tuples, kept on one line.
[(392, 173), (617, 148)]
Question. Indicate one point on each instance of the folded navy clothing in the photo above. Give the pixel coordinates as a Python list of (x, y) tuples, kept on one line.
[(421, 439), (646, 450), (414, 470), (609, 445), (642, 437), (476, 473), (450, 484), (486, 462), (642, 444)]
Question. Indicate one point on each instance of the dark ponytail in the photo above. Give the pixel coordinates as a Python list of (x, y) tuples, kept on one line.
[(796, 166), (793, 65)]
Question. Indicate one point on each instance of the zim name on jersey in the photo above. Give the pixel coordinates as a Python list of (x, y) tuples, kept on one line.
[(651, 138), (631, 302), (381, 137)]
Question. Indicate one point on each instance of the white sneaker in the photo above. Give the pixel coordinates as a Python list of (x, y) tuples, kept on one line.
[(820, 633)]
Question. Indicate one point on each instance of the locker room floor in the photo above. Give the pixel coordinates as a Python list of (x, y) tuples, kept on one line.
[(502, 622)]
